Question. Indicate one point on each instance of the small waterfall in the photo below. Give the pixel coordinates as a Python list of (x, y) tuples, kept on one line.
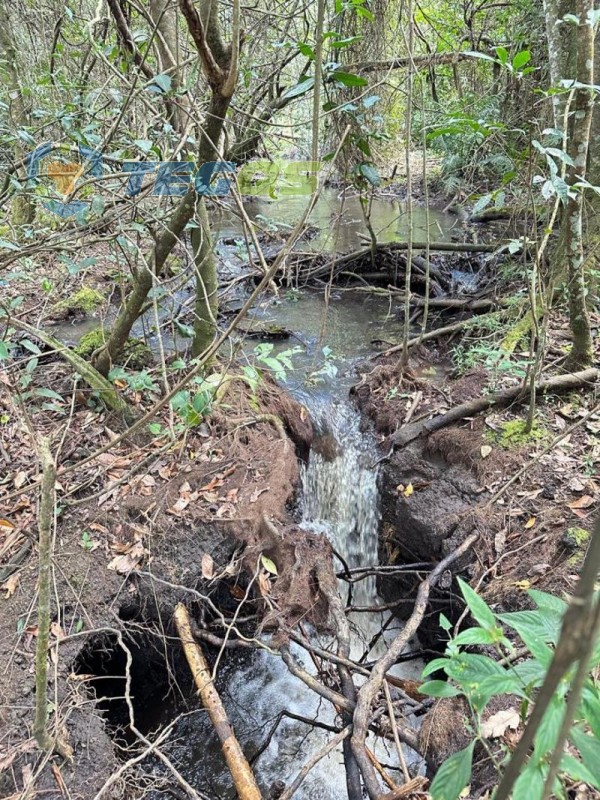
[(340, 495)]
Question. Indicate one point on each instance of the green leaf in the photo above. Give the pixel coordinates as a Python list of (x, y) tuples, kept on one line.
[(521, 59), (481, 204), (477, 606), (369, 172), (6, 245), (145, 145), (509, 684), (578, 771), (433, 666), (49, 393), (476, 636), (306, 50), (591, 708), (534, 628), (549, 601), (163, 81), (530, 783), (453, 775), (439, 689), (589, 747), (304, 85), (547, 734), (502, 54), (269, 565), (349, 79), (4, 351)]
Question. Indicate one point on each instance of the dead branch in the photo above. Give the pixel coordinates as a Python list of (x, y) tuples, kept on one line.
[(367, 692), (239, 768), (559, 383)]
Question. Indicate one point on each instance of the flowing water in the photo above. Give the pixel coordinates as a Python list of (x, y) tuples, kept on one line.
[(340, 499)]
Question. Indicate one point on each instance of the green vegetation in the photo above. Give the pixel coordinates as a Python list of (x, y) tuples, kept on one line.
[(514, 433), (85, 300)]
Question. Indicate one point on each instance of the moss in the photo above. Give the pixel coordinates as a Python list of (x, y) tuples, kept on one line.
[(575, 540), (85, 299), (136, 353), (90, 341), (513, 434)]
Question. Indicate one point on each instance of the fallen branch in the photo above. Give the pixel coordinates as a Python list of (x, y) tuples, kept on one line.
[(367, 692), (239, 768), (559, 383), (109, 395)]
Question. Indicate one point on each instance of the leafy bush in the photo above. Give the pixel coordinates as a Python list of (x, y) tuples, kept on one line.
[(478, 678)]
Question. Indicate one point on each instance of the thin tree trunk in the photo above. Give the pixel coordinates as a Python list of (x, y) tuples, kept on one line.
[(207, 283), (582, 351)]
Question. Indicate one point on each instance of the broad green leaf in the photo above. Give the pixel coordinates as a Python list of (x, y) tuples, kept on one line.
[(306, 50), (269, 565), (589, 747), (4, 351), (502, 54), (530, 783), (163, 81), (481, 204), (453, 775), (6, 245), (439, 689), (590, 702), (549, 601), (509, 684), (477, 606), (349, 79), (578, 771), (521, 59), (49, 393), (475, 636), (433, 666), (303, 86), (547, 734)]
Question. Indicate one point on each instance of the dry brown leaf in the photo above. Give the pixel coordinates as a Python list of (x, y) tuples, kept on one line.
[(95, 526), (208, 566), (498, 723), (10, 585), (530, 523), (20, 479), (6, 525), (485, 450), (582, 502), (264, 583), (409, 490), (129, 561)]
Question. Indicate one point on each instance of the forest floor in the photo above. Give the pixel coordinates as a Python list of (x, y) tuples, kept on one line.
[(154, 520)]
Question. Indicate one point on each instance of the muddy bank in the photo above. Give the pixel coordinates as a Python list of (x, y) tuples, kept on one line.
[(440, 489), (191, 526)]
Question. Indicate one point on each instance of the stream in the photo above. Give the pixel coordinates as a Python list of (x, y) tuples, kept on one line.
[(339, 498)]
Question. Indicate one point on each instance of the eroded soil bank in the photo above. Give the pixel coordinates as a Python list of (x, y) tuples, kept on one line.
[(531, 498)]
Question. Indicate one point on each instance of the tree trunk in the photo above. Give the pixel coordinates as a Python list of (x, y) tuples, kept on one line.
[(219, 63), (207, 283), (562, 51), (582, 351), (22, 207)]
